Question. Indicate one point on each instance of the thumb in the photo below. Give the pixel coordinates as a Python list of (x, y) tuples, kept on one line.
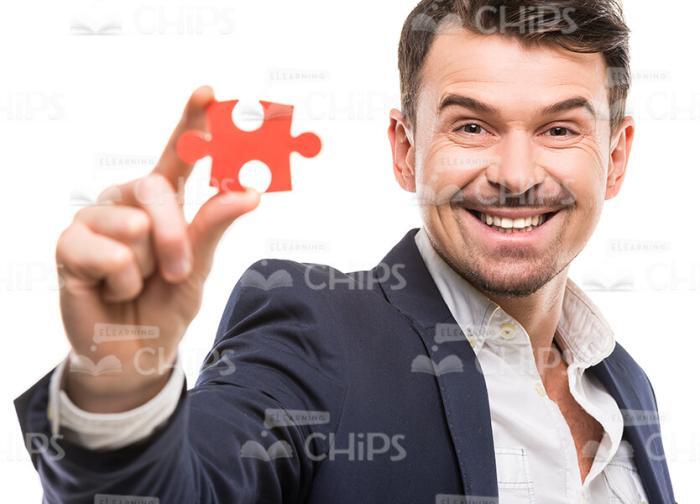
[(212, 220)]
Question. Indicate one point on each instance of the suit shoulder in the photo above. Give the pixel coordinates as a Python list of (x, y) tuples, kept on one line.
[(622, 359), (623, 363), (285, 277)]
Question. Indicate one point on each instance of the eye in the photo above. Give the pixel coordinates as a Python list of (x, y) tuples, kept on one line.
[(471, 128), (560, 131)]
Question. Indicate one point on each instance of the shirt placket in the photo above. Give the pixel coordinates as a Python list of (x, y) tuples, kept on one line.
[(510, 340)]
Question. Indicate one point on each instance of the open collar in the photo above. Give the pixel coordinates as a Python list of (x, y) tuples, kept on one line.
[(583, 334)]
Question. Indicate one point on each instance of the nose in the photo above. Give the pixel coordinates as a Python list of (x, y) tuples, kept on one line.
[(515, 170)]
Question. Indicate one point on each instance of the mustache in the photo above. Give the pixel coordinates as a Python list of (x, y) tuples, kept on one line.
[(502, 200)]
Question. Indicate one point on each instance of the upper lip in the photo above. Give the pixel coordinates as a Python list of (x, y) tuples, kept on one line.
[(514, 213)]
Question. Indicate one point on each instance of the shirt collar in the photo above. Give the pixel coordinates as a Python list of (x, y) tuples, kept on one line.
[(582, 333)]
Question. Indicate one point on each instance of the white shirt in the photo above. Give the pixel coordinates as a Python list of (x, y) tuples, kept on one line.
[(536, 459), (98, 431)]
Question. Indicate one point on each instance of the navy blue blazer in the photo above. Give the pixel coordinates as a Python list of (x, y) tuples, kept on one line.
[(308, 395)]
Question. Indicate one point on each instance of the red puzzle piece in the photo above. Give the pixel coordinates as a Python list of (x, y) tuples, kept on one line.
[(230, 148)]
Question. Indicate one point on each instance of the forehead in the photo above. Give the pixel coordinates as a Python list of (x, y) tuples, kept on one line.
[(507, 74)]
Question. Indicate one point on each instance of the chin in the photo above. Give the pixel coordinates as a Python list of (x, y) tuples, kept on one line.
[(509, 282)]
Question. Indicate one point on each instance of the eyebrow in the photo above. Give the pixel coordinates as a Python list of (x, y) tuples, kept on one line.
[(455, 100)]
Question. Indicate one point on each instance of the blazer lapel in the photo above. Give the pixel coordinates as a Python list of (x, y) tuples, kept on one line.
[(644, 435), (461, 383)]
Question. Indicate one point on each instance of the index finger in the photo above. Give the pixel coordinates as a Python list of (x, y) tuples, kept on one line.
[(174, 169)]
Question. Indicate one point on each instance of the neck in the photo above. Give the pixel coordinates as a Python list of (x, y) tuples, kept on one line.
[(539, 315)]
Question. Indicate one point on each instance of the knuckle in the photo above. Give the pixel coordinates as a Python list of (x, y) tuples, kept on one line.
[(121, 258), (82, 214), (132, 289), (60, 251), (119, 291), (137, 224), (64, 241)]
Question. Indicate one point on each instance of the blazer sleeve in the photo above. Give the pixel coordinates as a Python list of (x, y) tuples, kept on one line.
[(254, 427)]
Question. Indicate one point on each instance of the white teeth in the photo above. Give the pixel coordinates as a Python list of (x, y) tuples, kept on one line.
[(510, 225)]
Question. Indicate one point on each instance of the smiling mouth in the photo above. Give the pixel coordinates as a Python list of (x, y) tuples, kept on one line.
[(508, 225)]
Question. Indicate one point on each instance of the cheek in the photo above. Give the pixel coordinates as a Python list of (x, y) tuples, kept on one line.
[(580, 171), (446, 168)]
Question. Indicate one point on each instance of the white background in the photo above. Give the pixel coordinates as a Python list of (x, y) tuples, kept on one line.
[(79, 112)]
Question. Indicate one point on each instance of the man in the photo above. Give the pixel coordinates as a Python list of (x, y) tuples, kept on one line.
[(465, 367)]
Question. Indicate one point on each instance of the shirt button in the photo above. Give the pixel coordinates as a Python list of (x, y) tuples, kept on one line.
[(539, 388), (507, 330)]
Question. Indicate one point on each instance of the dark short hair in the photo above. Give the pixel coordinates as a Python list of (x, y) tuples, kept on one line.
[(584, 26)]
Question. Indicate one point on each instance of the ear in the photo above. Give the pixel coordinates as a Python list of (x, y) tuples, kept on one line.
[(621, 145), (402, 150)]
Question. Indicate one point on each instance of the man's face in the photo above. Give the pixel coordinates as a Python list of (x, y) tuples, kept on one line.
[(519, 135)]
